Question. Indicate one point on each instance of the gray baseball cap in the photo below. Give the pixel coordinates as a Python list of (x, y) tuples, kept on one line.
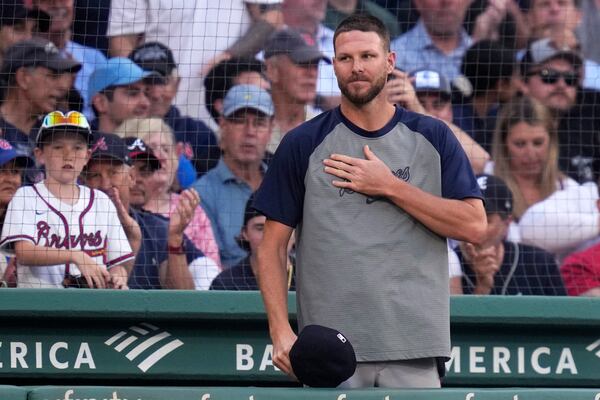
[(247, 96), (543, 50), (291, 43), (428, 80), (37, 52)]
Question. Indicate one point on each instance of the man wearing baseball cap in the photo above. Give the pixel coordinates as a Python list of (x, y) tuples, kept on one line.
[(116, 91), (551, 72), (197, 140), (17, 23), (163, 254), (434, 93), (292, 68), (497, 266), (38, 77), (246, 125)]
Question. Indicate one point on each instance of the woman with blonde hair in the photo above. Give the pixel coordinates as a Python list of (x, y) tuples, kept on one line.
[(550, 210), (160, 194)]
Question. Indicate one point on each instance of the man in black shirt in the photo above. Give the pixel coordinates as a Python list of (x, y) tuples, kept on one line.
[(498, 266)]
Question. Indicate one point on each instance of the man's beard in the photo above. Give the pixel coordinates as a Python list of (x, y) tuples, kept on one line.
[(362, 99)]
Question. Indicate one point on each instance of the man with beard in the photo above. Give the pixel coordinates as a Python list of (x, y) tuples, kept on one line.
[(374, 190), (551, 73)]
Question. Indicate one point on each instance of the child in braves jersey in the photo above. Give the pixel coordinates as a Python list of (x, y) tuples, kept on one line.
[(58, 229)]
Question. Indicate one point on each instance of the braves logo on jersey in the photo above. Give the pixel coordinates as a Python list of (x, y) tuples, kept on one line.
[(44, 238)]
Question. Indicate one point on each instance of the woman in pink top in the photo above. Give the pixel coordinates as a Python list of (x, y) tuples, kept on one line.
[(161, 196)]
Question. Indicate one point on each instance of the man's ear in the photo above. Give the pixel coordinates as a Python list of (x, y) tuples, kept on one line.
[(218, 105), (100, 102), (271, 71), (22, 78)]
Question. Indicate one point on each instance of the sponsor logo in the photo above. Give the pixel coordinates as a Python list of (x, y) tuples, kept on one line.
[(138, 340), (592, 347)]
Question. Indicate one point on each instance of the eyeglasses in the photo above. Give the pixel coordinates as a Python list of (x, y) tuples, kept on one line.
[(72, 118), (551, 76)]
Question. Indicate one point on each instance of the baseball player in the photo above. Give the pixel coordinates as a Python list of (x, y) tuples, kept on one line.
[(59, 230)]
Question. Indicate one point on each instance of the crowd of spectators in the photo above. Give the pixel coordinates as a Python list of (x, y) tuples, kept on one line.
[(188, 102)]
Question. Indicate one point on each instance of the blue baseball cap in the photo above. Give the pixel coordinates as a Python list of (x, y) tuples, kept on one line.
[(118, 71), (247, 96), (8, 153)]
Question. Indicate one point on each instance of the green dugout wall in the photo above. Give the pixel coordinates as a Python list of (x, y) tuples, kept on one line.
[(144, 338)]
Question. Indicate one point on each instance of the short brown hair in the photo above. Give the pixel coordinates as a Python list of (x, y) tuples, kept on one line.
[(364, 23)]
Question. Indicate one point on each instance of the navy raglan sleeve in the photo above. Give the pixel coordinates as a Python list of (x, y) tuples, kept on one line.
[(458, 179), (281, 194)]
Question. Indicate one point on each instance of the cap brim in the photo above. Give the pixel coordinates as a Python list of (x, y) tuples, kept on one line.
[(307, 55), (20, 160), (264, 110), (104, 155), (133, 78), (59, 64), (146, 157), (85, 133)]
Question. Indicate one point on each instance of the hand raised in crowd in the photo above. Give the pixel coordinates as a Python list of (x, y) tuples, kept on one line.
[(130, 226), (488, 22), (95, 275), (184, 212), (485, 263), (368, 176), (401, 91)]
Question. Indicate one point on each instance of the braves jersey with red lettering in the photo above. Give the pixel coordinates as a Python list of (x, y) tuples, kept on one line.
[(91, 225)]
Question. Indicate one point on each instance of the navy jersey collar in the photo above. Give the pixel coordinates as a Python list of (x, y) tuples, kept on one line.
[(370, 134)]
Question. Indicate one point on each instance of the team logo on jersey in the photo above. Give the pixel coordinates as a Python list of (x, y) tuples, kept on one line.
[(145, 343), (401, 173), (73, 241)]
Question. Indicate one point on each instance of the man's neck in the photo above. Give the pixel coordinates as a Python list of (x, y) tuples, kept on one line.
[(370, 117), (106, 125), (20, 116), (344, 6), (446, 43), (307, 26), (159, 202), (60, 39), (483, 103), (288, 112), (249, 173)]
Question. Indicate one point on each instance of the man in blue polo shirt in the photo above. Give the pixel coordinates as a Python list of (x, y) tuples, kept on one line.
[(373, 192), (246, 125)]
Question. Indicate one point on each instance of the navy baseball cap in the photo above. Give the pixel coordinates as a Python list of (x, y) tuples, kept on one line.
[(291, 43), (118, 71), (322, 357), (497, 195), (247, 96), (427, 80), (37, 52), (8, 153), (154, 57), (137, 150), (109, 146)]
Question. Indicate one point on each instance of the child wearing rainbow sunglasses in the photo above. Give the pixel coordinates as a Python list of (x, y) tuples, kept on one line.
[(59, 231)]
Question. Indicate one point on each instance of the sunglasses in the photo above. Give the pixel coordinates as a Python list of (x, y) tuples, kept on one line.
[(551, 76), (72, 118)]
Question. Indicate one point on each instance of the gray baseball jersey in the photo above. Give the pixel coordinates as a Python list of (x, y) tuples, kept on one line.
[(365, 266)]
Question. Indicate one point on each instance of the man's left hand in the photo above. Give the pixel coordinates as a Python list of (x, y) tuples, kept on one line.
[(369, 176)]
